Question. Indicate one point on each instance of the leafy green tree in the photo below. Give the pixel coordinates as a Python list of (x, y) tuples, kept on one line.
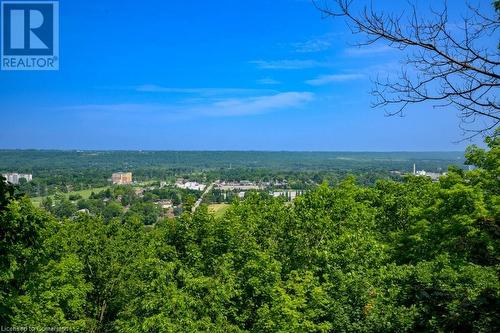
[(148, 211), (188, 202), (111, 210), (39, 285)]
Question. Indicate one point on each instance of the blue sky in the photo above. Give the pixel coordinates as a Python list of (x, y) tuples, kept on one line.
[(212, 75)]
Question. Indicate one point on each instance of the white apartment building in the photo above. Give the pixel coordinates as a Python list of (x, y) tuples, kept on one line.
[(14, 177)]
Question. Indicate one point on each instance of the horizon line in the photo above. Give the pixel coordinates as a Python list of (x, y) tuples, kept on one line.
[(228, 150)]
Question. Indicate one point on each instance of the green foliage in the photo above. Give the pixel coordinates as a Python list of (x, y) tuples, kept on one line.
[(411, 256), (65, 171), (7, 191)]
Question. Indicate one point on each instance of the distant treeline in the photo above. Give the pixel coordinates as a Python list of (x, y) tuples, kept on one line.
[(63, 171), (34, 160)]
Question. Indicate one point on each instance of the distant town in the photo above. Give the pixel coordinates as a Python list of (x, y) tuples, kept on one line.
[(432, 175), (171, 198)]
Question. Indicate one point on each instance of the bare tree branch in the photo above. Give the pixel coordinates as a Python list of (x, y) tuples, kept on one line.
[(445, 62)]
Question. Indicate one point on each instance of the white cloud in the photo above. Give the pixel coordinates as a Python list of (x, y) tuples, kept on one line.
[(326, 79), (288, 64), (313, 45), (122, 108), (268, 81), (316, 44), (257, 105), (216, 108), (152, 88), (369, 50)]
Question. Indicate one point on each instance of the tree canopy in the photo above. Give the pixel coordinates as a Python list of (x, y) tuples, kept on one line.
[(403, 256)]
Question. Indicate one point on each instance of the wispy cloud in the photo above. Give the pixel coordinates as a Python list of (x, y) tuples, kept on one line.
[(313, 45), (268, 81), (118, 108), (289, 64), (326, 79), (370, 50), (258, 105), (152, 88), (316, 44), (224, 107)]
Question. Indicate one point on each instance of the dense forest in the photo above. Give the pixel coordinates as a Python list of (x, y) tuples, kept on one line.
[(32, 160), (405, 256), (64, 171)]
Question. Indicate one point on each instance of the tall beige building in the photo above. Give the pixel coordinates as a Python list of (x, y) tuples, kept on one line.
[(122, 178)]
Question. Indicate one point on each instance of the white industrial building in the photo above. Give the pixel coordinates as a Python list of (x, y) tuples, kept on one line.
[(190, 185)]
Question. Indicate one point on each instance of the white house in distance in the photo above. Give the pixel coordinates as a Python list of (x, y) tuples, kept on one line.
[(14, 177)]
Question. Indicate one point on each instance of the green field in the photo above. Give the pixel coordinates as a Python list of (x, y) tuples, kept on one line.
[(37, 201), (85, 194), (218, 210)]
